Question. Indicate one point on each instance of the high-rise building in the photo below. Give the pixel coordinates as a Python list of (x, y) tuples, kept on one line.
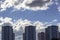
[(13, 36), (7, 32), (52, 32), (55, 39), (24, 37), (59, 35), (47, 33), (30, 33), (41, 36)]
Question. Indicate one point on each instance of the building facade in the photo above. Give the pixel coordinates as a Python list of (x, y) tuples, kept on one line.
[(41, 36), (30, 33), (24, 36), (52, 32), (7, 32)]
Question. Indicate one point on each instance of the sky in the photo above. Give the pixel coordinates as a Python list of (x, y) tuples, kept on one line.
[(29, 12)]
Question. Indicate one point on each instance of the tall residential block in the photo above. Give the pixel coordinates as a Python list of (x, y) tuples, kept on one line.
[(30, 33), (7, 32)]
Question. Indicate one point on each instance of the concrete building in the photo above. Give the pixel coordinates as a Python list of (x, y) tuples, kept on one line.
[(7, 32), (41, 36), (30, 33)]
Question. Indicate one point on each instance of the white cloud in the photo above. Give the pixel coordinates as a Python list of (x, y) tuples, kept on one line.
[(58, 26), (21, 23), (59, 8), (0, 28), (55, 20), (7, 4), (26, 4), (57, 2), (39, 25), (6, 20), (17, 24), (51, 22)]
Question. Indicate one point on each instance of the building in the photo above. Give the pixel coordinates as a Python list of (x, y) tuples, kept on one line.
[(55, 39), (30, 33), (47, 33), (24, 37), (52, 32), (7, 32), (13, 36), (41, 36), (59, 35)]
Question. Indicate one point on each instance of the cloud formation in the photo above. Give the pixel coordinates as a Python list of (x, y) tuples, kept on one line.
[(39, 4), (22, 23), (26, 4), (57, 2), (58, 8)]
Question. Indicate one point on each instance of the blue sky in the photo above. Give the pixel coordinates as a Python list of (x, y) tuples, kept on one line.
[(38, 15), (24, 11), (41, 15), (44, 11)]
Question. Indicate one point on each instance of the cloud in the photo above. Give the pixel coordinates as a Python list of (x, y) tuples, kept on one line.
[(39, 4), (7, 4), (20, 23), (58, 8), (57, 2), (5, 20), (59, 26), (26, 4), (55, 20), (39, 25)]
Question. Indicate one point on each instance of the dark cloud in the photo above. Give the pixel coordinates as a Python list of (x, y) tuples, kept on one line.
[(26, 4), (18, 1), (2, 0), (37, 3)]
